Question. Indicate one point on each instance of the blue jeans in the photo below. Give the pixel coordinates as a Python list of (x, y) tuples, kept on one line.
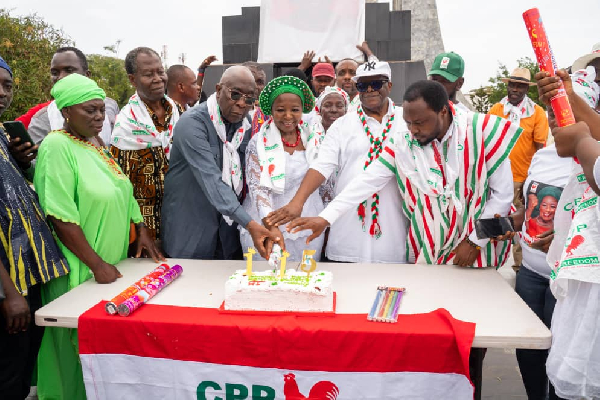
[(534, 289)]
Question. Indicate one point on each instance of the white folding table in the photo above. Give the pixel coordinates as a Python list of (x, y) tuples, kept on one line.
[(481, 296)]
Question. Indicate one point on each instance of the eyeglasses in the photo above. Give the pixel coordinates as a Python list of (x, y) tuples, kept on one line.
[(375, 85), (235, 96)]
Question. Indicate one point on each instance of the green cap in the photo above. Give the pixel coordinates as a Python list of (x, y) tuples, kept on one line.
[(449, 65)]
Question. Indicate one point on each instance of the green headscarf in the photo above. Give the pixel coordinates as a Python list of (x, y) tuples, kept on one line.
[(286, 84), (75, 89), (551, 191)]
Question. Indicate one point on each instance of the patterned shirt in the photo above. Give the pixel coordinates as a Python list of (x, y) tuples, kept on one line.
[(146, 169), (28, 250)]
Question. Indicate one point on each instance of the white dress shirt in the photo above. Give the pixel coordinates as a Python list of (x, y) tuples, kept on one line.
[(344, 152)]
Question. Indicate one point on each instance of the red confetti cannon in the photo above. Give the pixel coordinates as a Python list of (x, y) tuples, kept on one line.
[(545, 58)]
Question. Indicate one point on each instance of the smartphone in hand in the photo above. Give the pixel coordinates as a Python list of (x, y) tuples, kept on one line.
[(16, 129), (489, 228)]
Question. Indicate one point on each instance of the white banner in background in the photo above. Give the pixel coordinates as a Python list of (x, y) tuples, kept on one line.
[(288, 28)]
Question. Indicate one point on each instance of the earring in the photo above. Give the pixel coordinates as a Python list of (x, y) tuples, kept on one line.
[(67, 120)]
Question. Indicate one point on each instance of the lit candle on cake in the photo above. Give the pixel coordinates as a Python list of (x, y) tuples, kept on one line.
[(284, 257), (248, 256)]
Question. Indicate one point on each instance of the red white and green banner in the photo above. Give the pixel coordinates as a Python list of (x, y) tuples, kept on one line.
[(167, 352)]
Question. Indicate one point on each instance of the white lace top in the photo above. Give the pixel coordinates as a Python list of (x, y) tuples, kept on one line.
[(260, 200)]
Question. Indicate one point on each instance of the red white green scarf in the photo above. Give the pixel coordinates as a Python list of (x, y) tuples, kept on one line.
[(271, 154), (232, 166), (376, 147), (525, 109), (135, 130), (441, 216)]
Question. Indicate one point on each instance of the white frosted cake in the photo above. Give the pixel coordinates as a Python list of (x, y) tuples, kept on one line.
[(265, 291)]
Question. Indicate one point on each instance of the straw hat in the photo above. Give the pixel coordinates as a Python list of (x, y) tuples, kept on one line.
[(519, 75), (583, 61)]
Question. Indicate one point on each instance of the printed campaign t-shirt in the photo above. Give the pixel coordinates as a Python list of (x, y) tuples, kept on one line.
[(548, 175)]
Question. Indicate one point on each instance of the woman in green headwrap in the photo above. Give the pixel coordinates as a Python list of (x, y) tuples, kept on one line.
[(278, 157), (91, 207), (539, 216)]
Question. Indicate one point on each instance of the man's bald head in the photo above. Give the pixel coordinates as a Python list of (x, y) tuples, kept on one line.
[(236, 74), (182, 86), (235, 93), (175, 74)]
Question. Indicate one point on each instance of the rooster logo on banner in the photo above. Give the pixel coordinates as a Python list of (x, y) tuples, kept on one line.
[(323, 390)]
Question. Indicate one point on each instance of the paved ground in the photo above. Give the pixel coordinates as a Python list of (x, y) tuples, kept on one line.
[(501, 377)]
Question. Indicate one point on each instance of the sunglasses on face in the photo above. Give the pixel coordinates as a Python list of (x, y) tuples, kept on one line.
[(375, 85), (235, 96)]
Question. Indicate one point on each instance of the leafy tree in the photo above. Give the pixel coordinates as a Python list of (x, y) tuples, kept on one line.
[(28, 44), (109, 73), (486, 96)]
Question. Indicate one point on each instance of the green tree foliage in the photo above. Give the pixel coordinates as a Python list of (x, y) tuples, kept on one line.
[(485, 97), (27, 44), (109, 73)]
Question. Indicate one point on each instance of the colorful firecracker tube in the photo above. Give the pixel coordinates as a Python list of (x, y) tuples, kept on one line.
[(151, 289), (545, 58), (112, 306), (386, 305)]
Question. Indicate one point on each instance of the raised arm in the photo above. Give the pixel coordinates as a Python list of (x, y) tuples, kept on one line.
[(306, 60), (207, 61), (576, 141), (548, 88), (364, 47)]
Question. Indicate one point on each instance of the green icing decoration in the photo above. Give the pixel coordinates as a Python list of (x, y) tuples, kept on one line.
[(292, 280)]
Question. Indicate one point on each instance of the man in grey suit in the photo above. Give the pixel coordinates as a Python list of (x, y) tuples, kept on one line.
[(204, 185)]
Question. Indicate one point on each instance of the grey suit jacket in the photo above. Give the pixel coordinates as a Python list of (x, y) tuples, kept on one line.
[(196, 198)]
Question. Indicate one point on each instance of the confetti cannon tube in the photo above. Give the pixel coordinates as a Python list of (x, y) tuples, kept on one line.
[(112, 306), (151, 289), (545, 58)]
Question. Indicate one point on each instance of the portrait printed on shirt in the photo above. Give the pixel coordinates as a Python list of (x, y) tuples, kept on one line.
[(541, 201)]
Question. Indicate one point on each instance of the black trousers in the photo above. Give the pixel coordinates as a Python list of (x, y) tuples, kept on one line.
[(18, 353)]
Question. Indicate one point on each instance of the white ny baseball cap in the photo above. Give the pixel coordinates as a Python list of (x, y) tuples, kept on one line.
[(373, 68)]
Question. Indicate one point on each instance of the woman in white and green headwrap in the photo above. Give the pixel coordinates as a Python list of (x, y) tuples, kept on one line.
[(90, 204), (331, 104), (277, 159)]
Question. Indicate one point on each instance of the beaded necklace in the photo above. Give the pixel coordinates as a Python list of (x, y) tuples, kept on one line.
[(374, 152), (292, 144), (104, 153)]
